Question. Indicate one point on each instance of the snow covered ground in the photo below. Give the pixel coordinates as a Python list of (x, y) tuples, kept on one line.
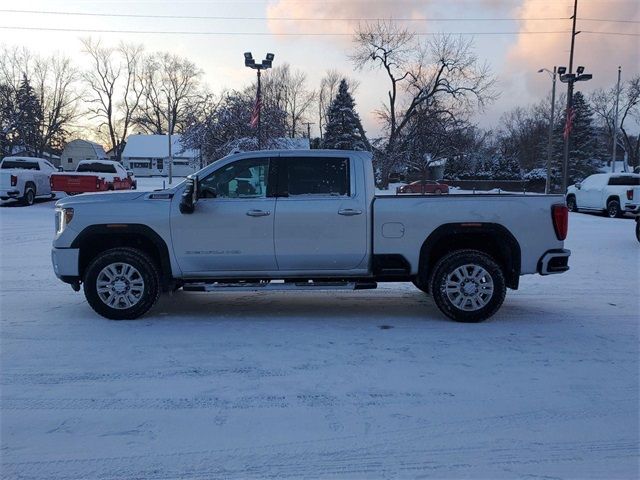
[(364, 384)]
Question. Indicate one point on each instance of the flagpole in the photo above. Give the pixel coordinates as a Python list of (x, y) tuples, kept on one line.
[(259, 104)]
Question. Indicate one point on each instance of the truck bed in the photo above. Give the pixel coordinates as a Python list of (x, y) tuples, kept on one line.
[(401, 223)]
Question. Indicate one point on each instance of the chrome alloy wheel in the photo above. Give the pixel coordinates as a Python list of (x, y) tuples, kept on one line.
[(469, 287), (120, 285)]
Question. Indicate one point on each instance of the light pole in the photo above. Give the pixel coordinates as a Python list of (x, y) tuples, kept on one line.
[(251, 63), (547, 186), (169, 137), (615, 125)]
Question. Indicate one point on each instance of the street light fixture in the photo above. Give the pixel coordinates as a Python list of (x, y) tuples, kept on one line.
[(547, 186), (264, 65)]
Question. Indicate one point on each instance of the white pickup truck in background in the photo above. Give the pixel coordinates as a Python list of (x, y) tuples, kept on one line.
[(606, 192), (304, 220), (25, 179)]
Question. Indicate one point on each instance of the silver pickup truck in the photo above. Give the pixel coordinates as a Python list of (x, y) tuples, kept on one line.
[(305, 220)]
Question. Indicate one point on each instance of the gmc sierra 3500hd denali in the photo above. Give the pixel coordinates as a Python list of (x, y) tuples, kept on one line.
[(305, 220)]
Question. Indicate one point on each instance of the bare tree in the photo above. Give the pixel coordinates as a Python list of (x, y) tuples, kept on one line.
[(171, 90), (603, 104), (444, 68), (55, 81), (115, 81), (288, 91)]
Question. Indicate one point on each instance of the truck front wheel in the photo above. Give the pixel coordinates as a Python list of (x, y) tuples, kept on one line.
[(122, 283), (468, 286)]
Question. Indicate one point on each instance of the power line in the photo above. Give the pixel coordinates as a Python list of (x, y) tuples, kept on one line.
[(219, 17), (292, 34)]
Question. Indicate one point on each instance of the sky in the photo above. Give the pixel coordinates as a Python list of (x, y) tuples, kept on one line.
[(314, 36)]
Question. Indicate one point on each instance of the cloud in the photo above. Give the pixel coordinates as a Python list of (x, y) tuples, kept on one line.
[(600, 54), (312, 17)]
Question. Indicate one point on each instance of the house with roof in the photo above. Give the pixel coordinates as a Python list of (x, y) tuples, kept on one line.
[(148, 155), (78, 150)]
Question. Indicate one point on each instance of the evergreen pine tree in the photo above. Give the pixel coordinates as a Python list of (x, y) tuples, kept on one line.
[(28, 118), (343, 129), (585, 151)]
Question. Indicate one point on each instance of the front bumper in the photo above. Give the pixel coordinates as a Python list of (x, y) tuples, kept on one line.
[(554, 261), (65, 263)]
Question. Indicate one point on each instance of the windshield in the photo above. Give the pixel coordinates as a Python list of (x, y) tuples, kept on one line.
[(7, 164), (96, 167)]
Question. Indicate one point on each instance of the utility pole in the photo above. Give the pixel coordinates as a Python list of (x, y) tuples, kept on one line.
[(615, 125), (169, 136), (567, 138), (259, 103)]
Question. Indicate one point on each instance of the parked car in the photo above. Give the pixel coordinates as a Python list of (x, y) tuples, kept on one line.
[(638, 228), (94, 176), (25, 179), (604, 192), (303, 220), (424, 186)]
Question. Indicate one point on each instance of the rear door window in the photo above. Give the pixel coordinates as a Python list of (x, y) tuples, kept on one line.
[(317, 176)]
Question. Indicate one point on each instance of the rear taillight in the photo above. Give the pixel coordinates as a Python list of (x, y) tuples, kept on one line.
[(14, 180), (630, 194), (560, 216)]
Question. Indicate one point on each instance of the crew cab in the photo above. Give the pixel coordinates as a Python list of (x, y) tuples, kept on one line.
[(94, 176), (604, 192), (304, 220), (25, 179)]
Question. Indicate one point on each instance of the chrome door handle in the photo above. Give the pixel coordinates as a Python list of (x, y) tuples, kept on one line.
[(258, 213), (349, 212)]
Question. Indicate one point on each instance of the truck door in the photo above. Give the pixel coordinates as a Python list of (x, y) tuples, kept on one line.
[(231, 229), (321, 217)]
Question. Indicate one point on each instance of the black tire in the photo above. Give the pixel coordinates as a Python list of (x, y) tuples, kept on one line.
[(447, 265), (638, 229), (571, 203), (149, 274), (613, 208), (29, 196)]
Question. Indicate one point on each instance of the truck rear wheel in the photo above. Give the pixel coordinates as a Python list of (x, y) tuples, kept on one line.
[(468, 286), (122, 283), (29, 194)]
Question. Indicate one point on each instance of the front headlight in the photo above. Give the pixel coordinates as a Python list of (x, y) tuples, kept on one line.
[(63, 218)]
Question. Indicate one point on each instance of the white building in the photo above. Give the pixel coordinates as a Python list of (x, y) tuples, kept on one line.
[(148, 155), (77, 150)]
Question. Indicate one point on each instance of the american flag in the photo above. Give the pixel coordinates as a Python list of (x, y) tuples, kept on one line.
[(255, 115), (568, 126)]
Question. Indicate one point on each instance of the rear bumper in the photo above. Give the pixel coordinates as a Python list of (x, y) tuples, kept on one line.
[(6, 194), (65, 263), (554, 261), (632, 208)]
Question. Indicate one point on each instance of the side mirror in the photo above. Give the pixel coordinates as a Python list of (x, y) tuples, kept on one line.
[(60, 169), (578, 185), (190, 195)]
